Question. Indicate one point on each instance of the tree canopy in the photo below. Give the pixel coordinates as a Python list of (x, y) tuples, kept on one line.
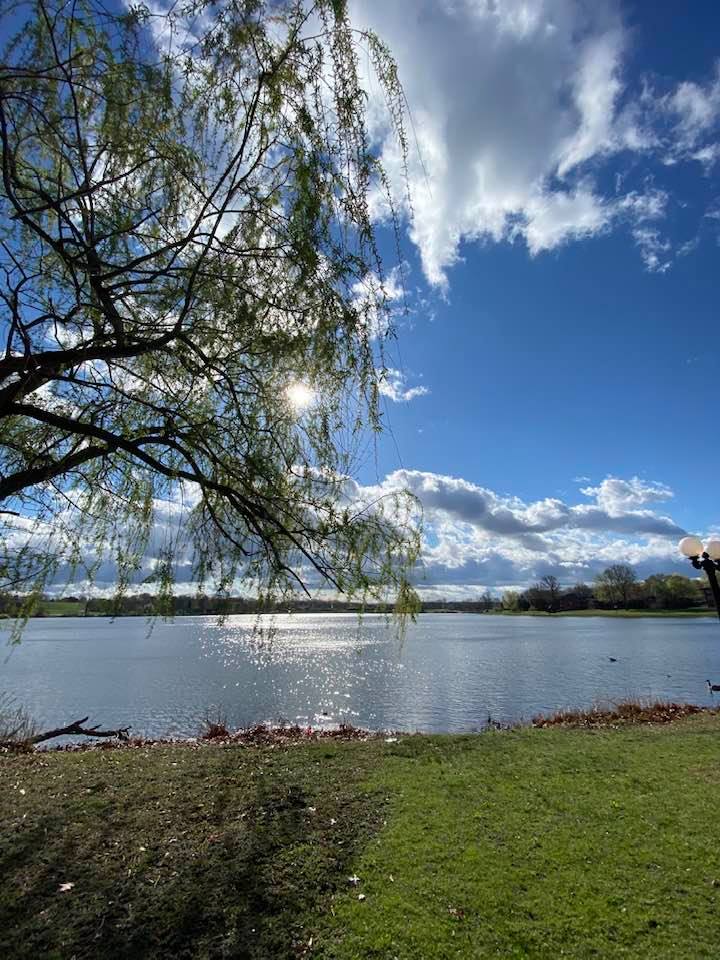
[(616, 585), (193, 302)]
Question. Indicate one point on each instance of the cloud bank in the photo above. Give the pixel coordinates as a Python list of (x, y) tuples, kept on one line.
[(517, 109), (477, 539)]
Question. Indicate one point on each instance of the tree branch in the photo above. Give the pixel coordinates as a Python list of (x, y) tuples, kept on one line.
[(17, 482), (76, 729)]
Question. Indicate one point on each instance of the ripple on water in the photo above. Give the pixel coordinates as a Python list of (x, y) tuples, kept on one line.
[(449, 673)]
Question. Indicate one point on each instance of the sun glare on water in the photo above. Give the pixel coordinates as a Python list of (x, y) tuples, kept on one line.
[(300, 396)]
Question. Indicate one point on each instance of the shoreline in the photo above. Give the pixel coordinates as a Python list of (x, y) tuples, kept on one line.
[(604, 714)]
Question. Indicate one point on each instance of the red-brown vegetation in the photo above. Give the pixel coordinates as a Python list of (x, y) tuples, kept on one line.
[(626, 712)]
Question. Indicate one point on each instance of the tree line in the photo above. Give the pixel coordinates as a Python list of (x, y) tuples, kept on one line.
[(616, 588)]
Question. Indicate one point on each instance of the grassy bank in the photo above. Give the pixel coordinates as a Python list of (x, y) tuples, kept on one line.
[(61, 608), (524, 843)]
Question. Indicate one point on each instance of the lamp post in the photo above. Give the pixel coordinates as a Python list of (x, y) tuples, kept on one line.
[(705, 558)]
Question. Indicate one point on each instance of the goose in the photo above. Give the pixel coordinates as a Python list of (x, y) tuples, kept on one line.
[(713, 687), (612, 659)]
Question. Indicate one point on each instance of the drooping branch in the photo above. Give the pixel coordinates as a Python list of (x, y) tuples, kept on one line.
[(181, 243), (252, 510), (48, 471)]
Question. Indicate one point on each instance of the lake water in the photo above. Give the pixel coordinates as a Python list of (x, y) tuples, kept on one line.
[(449, 673)]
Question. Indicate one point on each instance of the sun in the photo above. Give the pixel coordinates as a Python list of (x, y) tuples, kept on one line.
[(300, 396)]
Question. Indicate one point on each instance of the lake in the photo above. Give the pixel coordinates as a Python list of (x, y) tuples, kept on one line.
[(449, 673)]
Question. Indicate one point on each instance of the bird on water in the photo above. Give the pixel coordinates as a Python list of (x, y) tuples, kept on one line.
[(713, 687)]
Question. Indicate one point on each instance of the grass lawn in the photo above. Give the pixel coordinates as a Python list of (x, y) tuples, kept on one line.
[(62, 608), (527, 843)]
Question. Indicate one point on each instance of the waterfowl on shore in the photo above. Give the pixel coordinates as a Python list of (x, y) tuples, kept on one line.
[(713, 687)]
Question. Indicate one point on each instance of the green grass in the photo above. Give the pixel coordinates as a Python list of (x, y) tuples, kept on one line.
[(57, 608), (526, 843), (605, 613), (176, 852), (62, 608)]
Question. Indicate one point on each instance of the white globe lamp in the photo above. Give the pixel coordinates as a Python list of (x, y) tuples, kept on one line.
[(705, 558), (690, 547), (712, 549)]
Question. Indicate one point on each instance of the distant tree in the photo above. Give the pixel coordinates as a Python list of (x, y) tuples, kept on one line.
[(545, 594), (616, 585), (187, 252), (537, 597), (487, 600), (510, 600), (577, 597), (583, 593), (551, 585), (672, 591)]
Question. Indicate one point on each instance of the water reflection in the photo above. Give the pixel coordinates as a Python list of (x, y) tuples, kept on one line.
[(451, 672)]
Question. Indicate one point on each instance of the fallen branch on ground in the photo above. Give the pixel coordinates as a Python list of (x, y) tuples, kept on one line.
[(76, 729)]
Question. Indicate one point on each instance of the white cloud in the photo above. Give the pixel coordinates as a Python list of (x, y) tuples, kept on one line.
[(596, 89), (695, 109), (393, 386), (655, 249), (515, 107), (644, 210), (553, 218), (380, 301), (615, 507), (474, 537), (650, 205), (618, 496)]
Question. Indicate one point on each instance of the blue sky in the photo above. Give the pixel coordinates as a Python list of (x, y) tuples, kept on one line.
[(563, 265), (549, 397)]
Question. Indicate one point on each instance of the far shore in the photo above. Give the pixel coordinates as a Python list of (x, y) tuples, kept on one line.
[(69, 609), (604, 613)]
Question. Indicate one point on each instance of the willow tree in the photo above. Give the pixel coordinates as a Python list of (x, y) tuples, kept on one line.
[(187, 253)]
